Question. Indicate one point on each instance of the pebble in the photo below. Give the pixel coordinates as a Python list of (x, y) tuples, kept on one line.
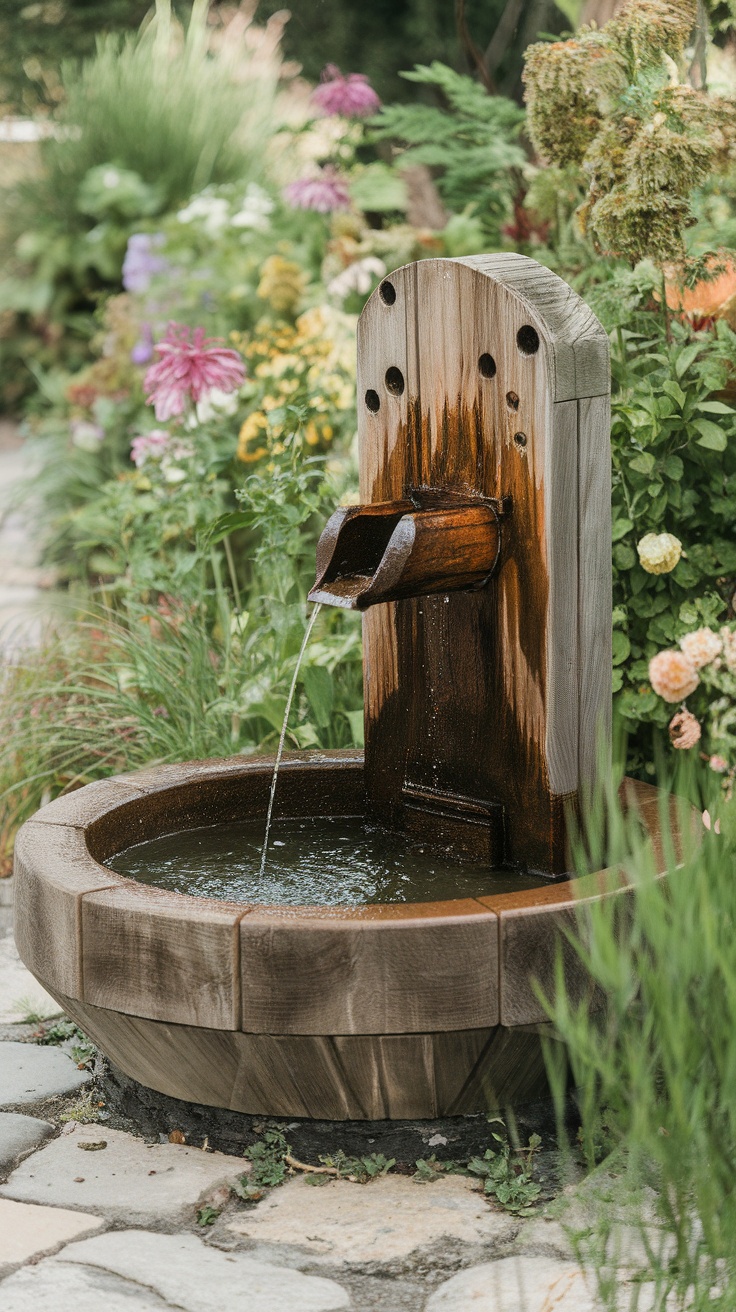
[(19, 1135), (129, 1270), (384, 1220), (130, 1182), (28, 1231), (30, 1074)]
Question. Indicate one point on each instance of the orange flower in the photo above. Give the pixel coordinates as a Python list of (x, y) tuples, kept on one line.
[(684, 730)]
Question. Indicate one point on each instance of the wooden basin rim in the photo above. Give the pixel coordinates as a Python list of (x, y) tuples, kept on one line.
[(394, 1010)]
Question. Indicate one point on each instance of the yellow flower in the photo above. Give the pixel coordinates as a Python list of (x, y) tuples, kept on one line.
[(659, 552), (311, 434), (252, 437), (282, 284)]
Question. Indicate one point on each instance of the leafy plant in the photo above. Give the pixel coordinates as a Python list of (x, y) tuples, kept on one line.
[(360, 1170), (656, 1065), (505, 1178), (207, 1215), (474, 144), (82, 1050)]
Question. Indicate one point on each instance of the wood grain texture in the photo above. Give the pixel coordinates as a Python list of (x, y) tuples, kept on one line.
[(365, 1077), (578, 343), (390, 974), (162, 955), (53, 870), (595, 588), (483, 693), (84, 805)]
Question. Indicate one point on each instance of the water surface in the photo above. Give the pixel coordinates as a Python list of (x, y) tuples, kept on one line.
[(335, 861)]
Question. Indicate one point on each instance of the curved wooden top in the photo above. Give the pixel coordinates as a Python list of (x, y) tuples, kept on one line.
[(106, 940)]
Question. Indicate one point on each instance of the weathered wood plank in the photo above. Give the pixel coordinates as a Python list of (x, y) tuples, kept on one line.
[(53, 871), (161, 955), (413, 970), (361, 1077), (595, 600)]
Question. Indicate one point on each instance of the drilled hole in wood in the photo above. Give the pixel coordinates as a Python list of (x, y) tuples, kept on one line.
[(512, 401), (372, 400), (394, 380), (527, 339), (520, 439), (387, 292), (487, 365)]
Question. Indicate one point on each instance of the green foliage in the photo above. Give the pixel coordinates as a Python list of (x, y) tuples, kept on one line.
[(674, 470), (360, 1170), (82, 1050), (268, 1167), (147, 121), (473, 144), (611, 102), (507, 1177), (656, 1065), (207, 1215)]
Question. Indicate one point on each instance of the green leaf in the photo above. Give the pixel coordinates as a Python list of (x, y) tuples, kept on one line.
[(320, 692), (378, 189), (711, 436), (620, 528), (686, 358), (621, 647), (643, 463), (357, 726), (716, 408), (624, 557)]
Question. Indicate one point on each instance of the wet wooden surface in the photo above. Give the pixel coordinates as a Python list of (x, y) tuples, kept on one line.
[(489, 694)]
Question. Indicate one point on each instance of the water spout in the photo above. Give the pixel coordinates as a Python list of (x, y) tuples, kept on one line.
[(396, 549)]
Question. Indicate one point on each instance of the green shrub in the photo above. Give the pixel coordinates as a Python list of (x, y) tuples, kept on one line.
[(655, 1068)]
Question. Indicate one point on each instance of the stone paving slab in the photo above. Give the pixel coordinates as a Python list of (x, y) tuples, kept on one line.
[(534, 1284), (52, 1287), (129, 1182), (20, 991), (30, 1074), (28, 1231), (20, 1135), (187, 1274), (380, 1222)]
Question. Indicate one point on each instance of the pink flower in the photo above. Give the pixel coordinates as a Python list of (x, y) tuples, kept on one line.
[(672, 675), (148, 446), (719, 764), (701, 647), (325, 193), (352, 96), (684, 730), (189, 370)]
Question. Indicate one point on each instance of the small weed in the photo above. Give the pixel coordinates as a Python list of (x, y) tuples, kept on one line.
[(358, 1169), (86, 1110), (429, 1169), (28, 1011), (207, 1215), (268, 1166), (83, 1051), (509, 1182)]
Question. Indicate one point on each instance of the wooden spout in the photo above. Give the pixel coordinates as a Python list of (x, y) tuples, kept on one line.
[(392, 550)]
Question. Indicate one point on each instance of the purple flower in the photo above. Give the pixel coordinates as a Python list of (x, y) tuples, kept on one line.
[(325, 193), (141, 263), (143, 350), (352, 96)]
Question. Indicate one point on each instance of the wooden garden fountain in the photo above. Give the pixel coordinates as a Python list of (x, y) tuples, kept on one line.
[(481, 557)]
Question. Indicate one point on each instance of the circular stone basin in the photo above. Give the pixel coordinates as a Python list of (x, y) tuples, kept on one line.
[(394, 1010)]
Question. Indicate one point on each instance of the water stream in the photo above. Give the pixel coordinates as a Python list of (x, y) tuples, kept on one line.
[(280, 752)]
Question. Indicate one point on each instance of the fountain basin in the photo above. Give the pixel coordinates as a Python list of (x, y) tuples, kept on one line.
[(394, 1011)]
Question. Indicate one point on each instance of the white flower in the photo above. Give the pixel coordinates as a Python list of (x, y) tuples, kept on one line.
[(111, 178), (212, 211), (254, 210), (358, 277), (213, 404)]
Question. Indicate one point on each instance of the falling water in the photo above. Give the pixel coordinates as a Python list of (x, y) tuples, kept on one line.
[(280, 752)]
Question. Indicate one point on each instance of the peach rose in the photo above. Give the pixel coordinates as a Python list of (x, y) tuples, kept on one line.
[(672, 675), (701, 647)]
